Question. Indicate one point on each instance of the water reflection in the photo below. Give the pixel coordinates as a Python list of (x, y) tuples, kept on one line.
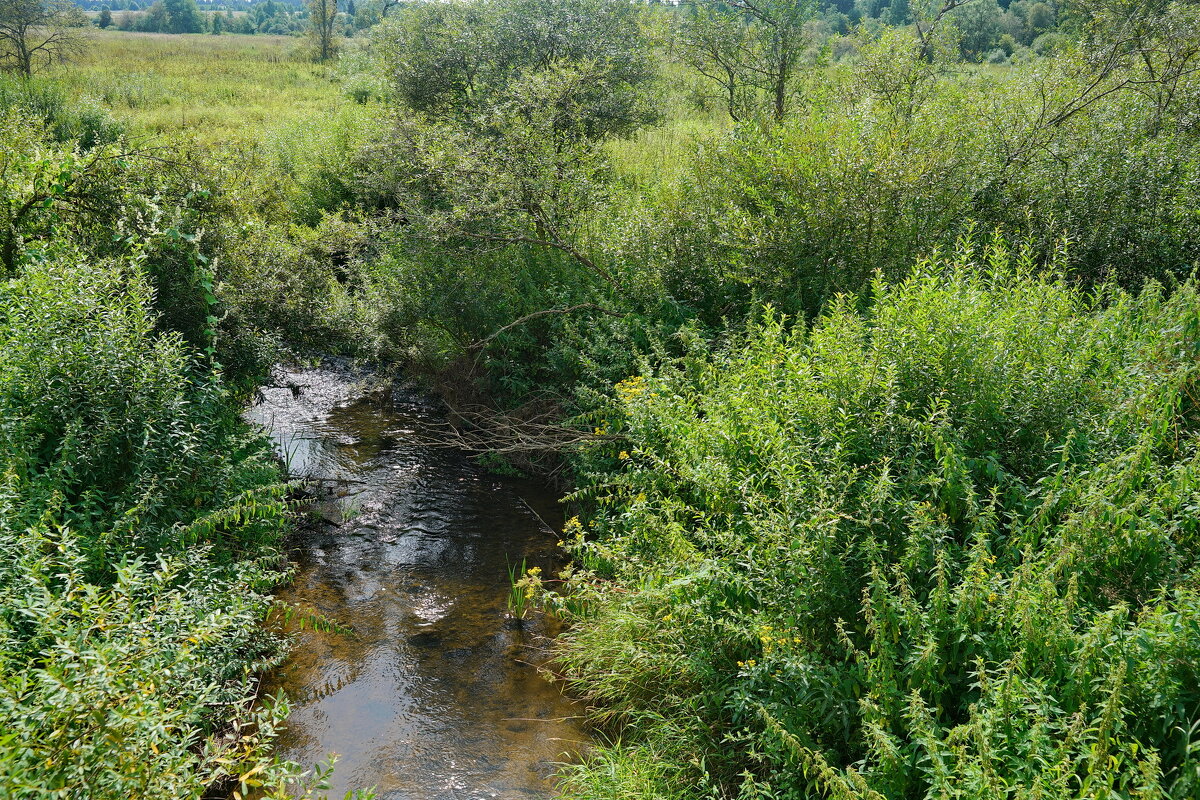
[(435, 696)]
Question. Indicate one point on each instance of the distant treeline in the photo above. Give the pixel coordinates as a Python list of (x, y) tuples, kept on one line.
[(992, 30), (275, 17), (1007, 26), (205, 5), (184, 16)]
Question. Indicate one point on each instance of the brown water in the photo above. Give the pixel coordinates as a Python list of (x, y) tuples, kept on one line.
[(436, 695)]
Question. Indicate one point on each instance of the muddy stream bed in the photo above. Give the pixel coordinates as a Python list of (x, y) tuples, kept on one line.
[(436, 695)]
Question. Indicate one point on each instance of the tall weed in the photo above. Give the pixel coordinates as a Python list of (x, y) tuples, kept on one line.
[(942, 546)]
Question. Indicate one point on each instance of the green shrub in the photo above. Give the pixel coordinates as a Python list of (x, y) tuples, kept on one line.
[(895, 157), (183, 224), (127, 689), (84, 123), (138, 517), (944, 546), (137, 532)]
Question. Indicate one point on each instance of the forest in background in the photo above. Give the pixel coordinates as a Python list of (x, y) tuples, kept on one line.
[(995, 31), (871, 370)]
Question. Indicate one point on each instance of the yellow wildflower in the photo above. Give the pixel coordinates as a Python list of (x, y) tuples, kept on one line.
[(631, 387)]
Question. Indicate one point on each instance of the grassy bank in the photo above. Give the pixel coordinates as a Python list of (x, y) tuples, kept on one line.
[(138, 535)]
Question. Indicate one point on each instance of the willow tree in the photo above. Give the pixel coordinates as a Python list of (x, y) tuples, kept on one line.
[(461, 61), (501, 109)]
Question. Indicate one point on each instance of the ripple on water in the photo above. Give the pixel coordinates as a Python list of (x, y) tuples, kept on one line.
[(433, 696)]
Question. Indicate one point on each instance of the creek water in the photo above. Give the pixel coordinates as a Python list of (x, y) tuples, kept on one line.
[(435, 695)]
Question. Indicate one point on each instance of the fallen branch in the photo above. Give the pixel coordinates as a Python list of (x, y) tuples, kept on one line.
[(523, 432)]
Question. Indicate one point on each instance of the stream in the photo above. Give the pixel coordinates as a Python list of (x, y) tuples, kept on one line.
[(436, 694)]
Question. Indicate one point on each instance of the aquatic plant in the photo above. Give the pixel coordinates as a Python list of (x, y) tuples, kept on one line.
[(518, 601)]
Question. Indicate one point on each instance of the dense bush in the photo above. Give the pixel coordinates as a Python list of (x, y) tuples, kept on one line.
[(893, 159), (135, 522), (462, 61), (138, 516), (112, 200), (945, 546), (237, 270), (886, 160)]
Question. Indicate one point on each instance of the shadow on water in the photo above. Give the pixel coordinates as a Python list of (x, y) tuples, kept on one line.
[(436, 695)]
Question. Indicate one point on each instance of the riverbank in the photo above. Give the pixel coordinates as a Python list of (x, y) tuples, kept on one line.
[(945, 545)]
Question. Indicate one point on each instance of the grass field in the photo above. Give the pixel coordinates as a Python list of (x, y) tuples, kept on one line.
[(243, 90), (209, 89)]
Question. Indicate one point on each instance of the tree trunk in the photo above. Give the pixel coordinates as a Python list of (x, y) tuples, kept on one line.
[(24, 59), (782, 73)]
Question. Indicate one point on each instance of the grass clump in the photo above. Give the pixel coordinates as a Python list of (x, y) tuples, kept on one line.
[(943, 546)]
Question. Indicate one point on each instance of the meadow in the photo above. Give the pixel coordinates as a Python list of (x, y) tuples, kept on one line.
[(201, 88)]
